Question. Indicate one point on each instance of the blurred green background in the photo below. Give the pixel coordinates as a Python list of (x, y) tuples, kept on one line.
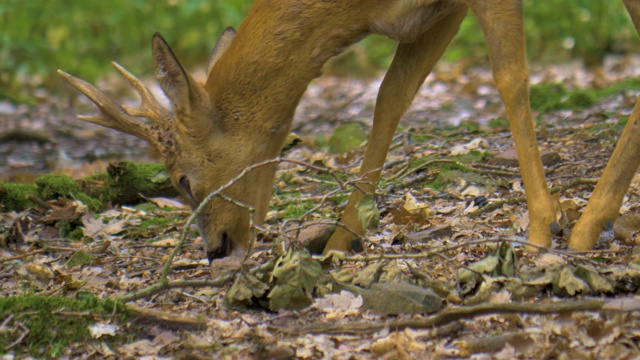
[(82, 37)]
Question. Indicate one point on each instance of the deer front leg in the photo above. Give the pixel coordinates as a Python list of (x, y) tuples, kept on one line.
[(501, 22), (602, 209), (409, 68)]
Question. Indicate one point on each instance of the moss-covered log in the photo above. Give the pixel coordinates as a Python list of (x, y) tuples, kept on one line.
[(123, 183)]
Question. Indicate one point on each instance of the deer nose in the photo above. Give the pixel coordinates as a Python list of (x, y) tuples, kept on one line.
[(223, 248)]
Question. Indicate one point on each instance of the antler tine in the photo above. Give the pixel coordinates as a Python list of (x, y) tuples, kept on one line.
[(149, 106), (117, 118)]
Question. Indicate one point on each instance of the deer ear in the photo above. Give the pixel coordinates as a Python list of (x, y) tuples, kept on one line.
[(175, 82), (186, 95), (221, 46)]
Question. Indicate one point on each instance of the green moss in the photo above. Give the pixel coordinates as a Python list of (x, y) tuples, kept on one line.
[(80, 258), (50, 329), (13, 197), (97, 187), (94, 205), (321, 141), (613, 89), (470, 126), (473, 156), (338, 199), (547, 97), (75, 234), (147, 207), (64, 227), (125, 181), (150, 226), (347, 137), (580, 99), (55, 186), (128, 180), (622, 121), (296, 210), (498, 123), (437, 184)]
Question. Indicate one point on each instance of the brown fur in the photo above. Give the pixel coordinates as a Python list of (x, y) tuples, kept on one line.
[(243, 112)]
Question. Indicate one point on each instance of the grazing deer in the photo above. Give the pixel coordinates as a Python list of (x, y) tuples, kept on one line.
[(255, 79)]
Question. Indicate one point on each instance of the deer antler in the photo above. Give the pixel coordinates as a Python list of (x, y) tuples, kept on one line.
[(125, 118)]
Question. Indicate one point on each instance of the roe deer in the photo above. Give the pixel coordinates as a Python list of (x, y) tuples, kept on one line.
[(255, 79)]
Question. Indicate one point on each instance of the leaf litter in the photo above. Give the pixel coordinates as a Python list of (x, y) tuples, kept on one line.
[(444, 274)]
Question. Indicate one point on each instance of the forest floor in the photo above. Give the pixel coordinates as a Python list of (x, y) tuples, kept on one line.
[(444, 275)]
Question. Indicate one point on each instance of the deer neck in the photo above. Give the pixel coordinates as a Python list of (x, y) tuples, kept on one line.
[(274, 56)]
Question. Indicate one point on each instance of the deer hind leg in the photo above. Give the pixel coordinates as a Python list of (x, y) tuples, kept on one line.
[(409, 68), (501, 22), (602, 209)]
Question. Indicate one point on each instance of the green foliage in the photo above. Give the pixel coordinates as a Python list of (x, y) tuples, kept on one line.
[(368, 213), (289, 285), (295, 275), (82, 37), (559, 30)]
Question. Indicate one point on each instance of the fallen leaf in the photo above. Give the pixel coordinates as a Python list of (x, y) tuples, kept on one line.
[(164, 202), (471, 145), (368, 213), (98, 330), (413, 206)]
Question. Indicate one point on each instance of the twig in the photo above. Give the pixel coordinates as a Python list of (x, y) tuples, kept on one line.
[(163, 283), (521, 199), (446, 316), (160, 287), (16, 257), (323, 222), (464, 167), (437, 251), (489, 344), (23, 334), (406, 183)]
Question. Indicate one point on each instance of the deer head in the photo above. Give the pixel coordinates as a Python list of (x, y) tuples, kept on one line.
[(203, 145)]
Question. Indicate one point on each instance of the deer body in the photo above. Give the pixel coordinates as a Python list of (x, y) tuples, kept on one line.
[(243, 112)]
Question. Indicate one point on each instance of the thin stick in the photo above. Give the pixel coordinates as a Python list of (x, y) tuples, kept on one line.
[(446, 316)]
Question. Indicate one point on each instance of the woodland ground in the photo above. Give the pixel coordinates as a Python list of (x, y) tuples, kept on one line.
[(452, 218)]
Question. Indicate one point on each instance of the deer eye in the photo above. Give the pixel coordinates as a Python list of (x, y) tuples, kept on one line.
[(183, 182)]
